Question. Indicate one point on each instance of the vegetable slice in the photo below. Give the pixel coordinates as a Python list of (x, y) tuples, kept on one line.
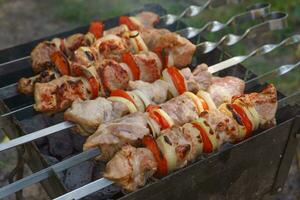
[(178, 79), (94, 86), (61, 63), (122, 96), (207, 101), (163, 56), (209, 137), (121, 93), (127, 21), (247, 123), (129, 60), (162, 165), (96, 28)]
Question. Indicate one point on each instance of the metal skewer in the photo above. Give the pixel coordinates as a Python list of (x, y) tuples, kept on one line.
[(91, 153), (212, 69), (255, 11), (274, 21)]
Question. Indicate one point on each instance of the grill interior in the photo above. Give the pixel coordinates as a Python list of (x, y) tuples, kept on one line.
[(52, 149)]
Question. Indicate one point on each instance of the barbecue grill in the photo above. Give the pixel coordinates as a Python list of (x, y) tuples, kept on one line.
[(247, 170)]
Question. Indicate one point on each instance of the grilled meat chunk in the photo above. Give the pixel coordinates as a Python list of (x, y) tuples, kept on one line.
[(265, 103), (131, 167), (26, 85), (181, 49), (40, 56), (147, 19), (223, 88), (110, 137), (113, 75), (59, 94), (111, 47), (80, 113), (181, 109), (199, 79), (156, 92), (150, 66), (103, 109)]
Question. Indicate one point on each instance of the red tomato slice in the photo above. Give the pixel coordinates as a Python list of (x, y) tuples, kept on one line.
[(157, 117), (94, 87), (121, 93), (178, 79), (151, 107), (61, 63), (204, 104), (96, 28), (207, 145), (129, 60), (246, 121), (162, 165), (163, 56), (76, 71), (126, 20)]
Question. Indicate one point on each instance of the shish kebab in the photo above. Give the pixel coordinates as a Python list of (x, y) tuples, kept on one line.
[(175, 147), (41, 54), (130, 129), (110, 45), (141, 94)]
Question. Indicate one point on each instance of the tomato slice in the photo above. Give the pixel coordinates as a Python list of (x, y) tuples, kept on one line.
[(126, 20), (129, 60), (121, 93), (162, 165), (97, 29), (207, 145), (94, 87), (61, 63), (163, 56), (204, 104), (151, 107), (246, 121), (178, 79)]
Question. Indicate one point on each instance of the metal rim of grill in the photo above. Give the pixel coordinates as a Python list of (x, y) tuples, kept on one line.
[(20, 67)]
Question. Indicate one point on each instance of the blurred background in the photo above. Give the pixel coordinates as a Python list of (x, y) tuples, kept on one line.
[(22, 21)]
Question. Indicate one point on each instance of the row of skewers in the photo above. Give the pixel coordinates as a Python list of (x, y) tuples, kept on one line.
[(165, 119)]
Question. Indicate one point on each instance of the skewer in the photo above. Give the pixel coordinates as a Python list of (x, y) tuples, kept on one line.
[(258, 10), (274, 21), (86, 155), (92, 187), (212, 69)]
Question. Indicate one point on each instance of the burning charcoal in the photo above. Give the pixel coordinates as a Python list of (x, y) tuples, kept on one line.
[(78, 141), (79, 175), (60, 144)]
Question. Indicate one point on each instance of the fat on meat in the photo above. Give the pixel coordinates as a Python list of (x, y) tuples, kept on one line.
[(223, 89)]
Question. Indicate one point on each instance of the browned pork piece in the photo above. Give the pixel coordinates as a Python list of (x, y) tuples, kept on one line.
[(41, 54), (126, 161), (58, 94), (179, 49), (177, 111), (26, 85), (177, 146)]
